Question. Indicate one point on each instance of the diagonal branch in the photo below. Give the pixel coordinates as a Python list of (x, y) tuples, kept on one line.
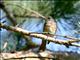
[(12, 19), (34, 13), (41, 36), (8, 13)]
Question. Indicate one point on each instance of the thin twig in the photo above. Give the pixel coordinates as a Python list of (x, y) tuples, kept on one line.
[(69, 37)]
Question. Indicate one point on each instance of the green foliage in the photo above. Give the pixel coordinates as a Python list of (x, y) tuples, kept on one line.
[(55, 8), (62, 7), (44, 8)]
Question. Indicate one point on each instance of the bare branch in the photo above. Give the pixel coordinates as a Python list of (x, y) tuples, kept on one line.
[(31, 55), (25, 32), (27, 54)]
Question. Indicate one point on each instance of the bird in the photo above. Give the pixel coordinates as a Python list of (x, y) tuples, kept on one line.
[(49, 29)]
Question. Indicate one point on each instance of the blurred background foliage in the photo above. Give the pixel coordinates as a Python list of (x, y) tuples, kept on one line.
[(54, 8)]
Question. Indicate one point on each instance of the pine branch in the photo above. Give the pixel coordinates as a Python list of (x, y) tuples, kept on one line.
[(34, 13)]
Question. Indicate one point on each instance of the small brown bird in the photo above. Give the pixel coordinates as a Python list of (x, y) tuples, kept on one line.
[(50, 29)]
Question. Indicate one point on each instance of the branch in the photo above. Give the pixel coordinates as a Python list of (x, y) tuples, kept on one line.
[(31, 55), (25, 16), (25, 32), (10, 16), (34, 13), (27, 54), (8, 13), (69, 37)]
